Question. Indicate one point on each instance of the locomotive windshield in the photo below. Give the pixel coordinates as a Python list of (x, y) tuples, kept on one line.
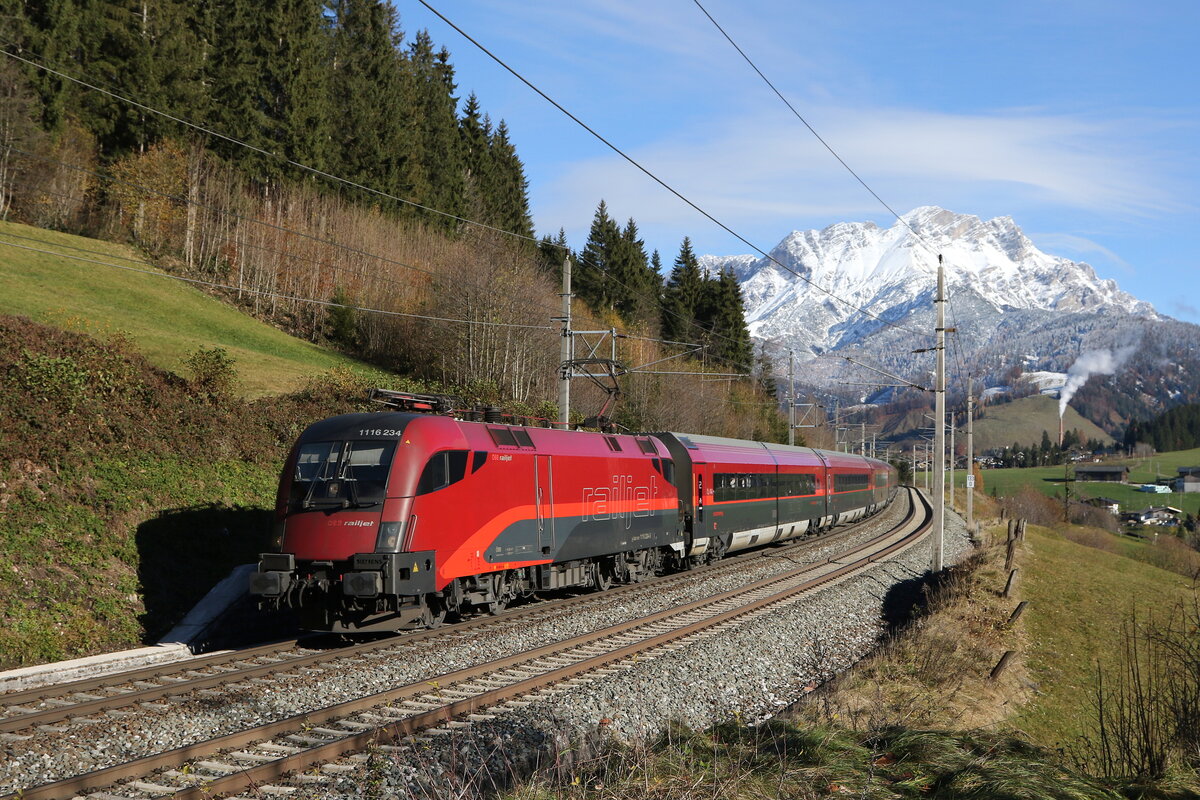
[(341, 474)]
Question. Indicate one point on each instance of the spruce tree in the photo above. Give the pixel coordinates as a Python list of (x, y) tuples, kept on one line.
[(551, 253), (234, 69), (296, 83), (474, 134), (373, 138), (635, 284), (509, 189), (590, 282), (682, 296), (726, 320), (439, 147)]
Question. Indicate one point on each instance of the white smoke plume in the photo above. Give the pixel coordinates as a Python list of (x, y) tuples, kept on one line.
[(1093, 362)]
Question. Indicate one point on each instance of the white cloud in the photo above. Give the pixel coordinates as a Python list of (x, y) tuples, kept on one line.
[(1078, 245), (769, 171)]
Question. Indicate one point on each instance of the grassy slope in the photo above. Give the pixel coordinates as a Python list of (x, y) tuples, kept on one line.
[(1024, 420), (167, 319), (1049, 481), (1079, 596)]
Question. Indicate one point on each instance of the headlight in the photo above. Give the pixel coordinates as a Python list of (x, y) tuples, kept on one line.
[(277, 537), (388, 540)]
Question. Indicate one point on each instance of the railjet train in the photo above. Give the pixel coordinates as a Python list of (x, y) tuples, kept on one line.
[(395, 519)]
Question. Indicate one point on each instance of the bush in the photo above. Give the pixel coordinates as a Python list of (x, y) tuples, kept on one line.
[(213, 373)]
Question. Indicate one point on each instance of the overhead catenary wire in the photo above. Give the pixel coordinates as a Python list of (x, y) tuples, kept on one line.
[(917, 235), (262, 292), (694, 206), (322, 173)]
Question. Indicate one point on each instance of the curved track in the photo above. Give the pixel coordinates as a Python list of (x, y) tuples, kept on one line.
[(255, 757), (48, 705)]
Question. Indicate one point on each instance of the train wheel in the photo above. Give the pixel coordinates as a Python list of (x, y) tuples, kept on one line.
[(434, 612), (601, 578), (501, 593)]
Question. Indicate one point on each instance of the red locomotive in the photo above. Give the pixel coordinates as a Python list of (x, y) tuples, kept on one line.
[(395, 519)]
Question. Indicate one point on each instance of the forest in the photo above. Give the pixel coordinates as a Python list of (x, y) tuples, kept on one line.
[(321, 169), (1175, 429)]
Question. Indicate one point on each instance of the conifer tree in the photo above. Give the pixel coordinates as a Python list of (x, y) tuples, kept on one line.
[(373, 140), (53, 29), (634, 285), (474, 134), (729, 339), (551, 253), (682, 296), (439, 147), (509, 188), (296, 83), (590, 282), (234, 70)]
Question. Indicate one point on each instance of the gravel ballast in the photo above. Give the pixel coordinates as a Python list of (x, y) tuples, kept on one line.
[(749, 670)]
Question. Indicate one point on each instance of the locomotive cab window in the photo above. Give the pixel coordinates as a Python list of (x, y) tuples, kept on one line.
[(349, 474), (442, 469)]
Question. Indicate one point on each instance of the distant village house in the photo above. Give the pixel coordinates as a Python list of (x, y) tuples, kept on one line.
[(1107, 473)]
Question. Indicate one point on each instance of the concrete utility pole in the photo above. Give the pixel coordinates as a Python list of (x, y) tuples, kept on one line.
[(565, 349), (971, 455), (791, 399), (952, 460), (862, 439), (939, 433)]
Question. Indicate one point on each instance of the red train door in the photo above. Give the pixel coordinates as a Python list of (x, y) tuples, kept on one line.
[(543, 482)]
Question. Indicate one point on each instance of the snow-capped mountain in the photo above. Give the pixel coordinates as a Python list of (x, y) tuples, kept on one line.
[(892, 273), (858, 290)]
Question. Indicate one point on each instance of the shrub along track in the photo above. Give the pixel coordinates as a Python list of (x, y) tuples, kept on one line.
[(220, 765)]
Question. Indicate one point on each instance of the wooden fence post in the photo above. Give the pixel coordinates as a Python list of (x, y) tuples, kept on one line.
[(1012, 577), (1001, 664), (1016, 613)]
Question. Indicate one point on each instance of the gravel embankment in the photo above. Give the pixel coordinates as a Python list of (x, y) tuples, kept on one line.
[(749, 672), (771, 655)]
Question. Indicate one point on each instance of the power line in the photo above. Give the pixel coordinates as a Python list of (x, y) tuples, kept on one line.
[(264, 293), (660, 181), (261, 151), (331, 176), (798, 116)]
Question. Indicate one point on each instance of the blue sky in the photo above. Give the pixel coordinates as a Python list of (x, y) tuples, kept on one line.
[(1081, 120)]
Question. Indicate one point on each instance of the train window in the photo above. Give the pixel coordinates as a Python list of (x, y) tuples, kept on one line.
[(850, 482), (479, 460), (614, 443), (797, 485), (442, 469), (351, 473), (503, 437), (647, 447), (668, 470), (522, 437)]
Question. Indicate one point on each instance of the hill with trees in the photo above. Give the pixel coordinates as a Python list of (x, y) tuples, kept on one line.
[(331, 181)]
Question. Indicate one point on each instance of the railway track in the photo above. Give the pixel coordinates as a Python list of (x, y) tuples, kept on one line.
[(259, 756), (43, 707)]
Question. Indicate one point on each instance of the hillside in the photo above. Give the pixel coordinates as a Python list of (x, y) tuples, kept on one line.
[(166, 319), (1024, 420), (127, 491)]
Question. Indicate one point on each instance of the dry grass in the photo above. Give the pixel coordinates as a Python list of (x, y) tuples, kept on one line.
[(935, 671)]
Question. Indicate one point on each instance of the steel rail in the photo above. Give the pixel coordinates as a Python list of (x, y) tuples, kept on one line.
[(176, 688), (257, 775)]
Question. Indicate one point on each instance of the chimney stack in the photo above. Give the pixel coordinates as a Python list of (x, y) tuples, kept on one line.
[(1060, 431)]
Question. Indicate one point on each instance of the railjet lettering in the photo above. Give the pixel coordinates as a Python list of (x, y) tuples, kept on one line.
[(621, 501)]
